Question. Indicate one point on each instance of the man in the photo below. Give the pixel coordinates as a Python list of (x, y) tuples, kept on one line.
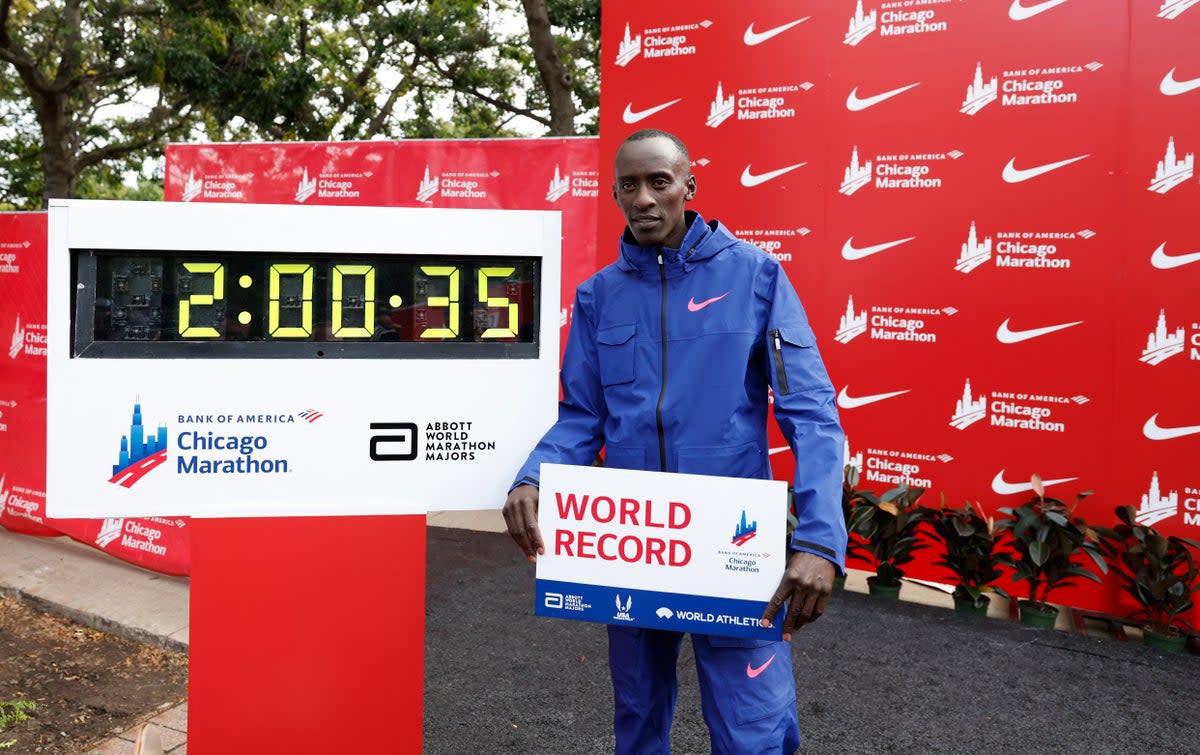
[(671, 351)]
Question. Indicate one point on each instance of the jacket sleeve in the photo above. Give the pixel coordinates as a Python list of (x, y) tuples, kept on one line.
[(579, 432), (806, 413)]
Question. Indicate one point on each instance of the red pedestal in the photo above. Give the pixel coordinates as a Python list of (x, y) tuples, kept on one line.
[(307, 635)]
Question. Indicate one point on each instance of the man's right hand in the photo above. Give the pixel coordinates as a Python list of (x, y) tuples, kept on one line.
[(520, 513)]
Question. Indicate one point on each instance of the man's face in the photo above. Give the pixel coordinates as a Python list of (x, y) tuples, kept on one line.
[(653, 181)]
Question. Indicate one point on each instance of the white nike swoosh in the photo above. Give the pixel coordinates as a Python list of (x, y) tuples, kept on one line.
[(1002, 487), (850, 252), (1171, 87), (1018, 12), (1005, 335), (846, 401), (1164, 261), (633, 116), (1014, 176), (751, 38), (855, 104), (749, 179), (1154, 431)]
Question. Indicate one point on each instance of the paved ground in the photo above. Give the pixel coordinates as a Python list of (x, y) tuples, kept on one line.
[(873, 676)]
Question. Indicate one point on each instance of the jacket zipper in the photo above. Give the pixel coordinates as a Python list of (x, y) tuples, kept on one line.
[(662, 392), (781, 385)]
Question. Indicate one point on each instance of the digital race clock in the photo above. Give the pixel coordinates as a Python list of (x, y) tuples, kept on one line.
[(217, 360), (197, 304)]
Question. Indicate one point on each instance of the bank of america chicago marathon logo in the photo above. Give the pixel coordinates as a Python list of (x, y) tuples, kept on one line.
[(27, 339), (894, 171), (578, 183), (908, 324), (1165, 342), (774, 241), (455, 184), (1171, 9), (135, 534), (139, 455), (1172, 170), (1015, 410), (1018, 249), (330, 185), (755, 103), (1157, 505), (20, 502), (1051, 85), (897, 18), (8, 255), (224, 186), (892, 466), (656, 42), (744, 531)]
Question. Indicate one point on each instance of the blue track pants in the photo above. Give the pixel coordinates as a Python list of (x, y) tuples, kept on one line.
[(747, 692)]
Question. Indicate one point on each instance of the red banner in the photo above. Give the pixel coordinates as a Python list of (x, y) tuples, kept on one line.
[(510, 174), (162, 545), (985, 209)]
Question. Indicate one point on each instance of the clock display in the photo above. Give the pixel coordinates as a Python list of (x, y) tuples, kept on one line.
[(193, 304)]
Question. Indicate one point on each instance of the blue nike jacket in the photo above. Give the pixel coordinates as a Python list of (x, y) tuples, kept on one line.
[(667, 365)]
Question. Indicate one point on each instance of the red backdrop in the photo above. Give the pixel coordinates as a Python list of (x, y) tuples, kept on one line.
[(964, 195)]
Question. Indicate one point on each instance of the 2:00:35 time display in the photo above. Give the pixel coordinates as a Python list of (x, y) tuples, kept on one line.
[(142, 302)]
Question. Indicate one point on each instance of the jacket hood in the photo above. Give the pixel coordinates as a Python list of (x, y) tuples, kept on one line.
[(702, 241)]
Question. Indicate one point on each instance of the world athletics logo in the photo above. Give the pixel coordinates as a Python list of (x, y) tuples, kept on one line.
[(139, 454)]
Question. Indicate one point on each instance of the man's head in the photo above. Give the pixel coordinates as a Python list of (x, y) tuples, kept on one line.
[(652, 181)]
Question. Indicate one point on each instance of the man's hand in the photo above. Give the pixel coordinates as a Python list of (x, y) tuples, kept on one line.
[(806, 585), (520, 513)]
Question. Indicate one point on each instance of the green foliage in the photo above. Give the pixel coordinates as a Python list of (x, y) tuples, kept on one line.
[(1047, 539), (890, 525), (1158, 571), (969, 540), (13, 712)]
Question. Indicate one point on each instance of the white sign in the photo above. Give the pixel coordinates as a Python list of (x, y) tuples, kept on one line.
[(189, 422), (689, 553)]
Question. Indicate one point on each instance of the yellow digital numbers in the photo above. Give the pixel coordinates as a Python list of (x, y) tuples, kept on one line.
[(450, 302), (339, 328), (217, 270), (498, 301), (304, 330)]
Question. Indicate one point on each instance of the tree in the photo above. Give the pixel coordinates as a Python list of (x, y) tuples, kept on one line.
[(100, 86)]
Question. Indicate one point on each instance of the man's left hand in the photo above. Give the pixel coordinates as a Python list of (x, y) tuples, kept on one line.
[(805, 587)]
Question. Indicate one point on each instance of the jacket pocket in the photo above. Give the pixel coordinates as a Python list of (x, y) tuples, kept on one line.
[(783, 340), (616, 349), (624, 457), (746, 460)]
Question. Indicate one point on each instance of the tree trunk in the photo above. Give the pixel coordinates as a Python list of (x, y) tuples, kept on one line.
[(556, 79), (58, 162)]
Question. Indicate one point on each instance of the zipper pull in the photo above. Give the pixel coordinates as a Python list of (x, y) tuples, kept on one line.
[(778, 342), (660, 262)]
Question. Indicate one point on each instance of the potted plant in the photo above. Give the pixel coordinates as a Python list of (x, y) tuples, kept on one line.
[(889, 525), (1161, 575), (969, 539), (1047, 539)]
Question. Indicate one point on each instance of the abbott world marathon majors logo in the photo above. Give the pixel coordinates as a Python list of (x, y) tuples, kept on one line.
[(659, 42), (331, 185), (577, 183), (903, 171), (897, 18), (441, 440), (1022, 250), (756, 103), (777, 242), (904, 324), (28, 339), (1030, 87), (1166, 341), (1029, 412), (218, 186)]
